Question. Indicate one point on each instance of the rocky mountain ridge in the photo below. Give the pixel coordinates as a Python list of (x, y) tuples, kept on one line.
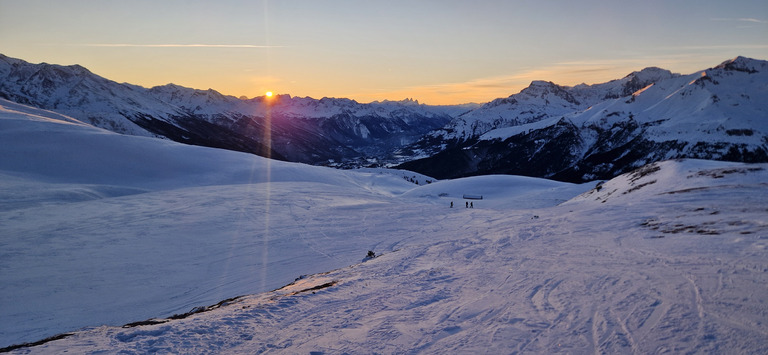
[(590, 132), (326, 131)]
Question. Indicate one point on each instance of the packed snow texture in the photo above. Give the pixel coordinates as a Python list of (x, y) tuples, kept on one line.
[(100, 230)]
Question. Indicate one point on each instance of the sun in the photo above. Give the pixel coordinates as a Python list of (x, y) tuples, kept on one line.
[(269, 94)]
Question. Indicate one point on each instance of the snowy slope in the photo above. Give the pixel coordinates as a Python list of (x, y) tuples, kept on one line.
[(670, 258), (96, 191), (94, 212), (699, 107)]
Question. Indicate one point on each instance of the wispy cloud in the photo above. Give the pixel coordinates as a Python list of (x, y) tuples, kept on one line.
[(740, 19), (721, 47), (752, 20), (488, 88), (174, 45)]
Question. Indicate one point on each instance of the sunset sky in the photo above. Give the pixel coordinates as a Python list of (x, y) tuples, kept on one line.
[(435, 51)]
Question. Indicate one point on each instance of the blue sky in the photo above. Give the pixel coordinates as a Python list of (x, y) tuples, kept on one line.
[(438, 52)]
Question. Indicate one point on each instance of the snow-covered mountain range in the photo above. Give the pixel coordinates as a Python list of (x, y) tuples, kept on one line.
[(114, 243), (589, 132), (298, 129), (578, 133)]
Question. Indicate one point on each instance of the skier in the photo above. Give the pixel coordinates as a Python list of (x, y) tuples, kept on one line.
[(451, 204), (471, 205), (466, 204)]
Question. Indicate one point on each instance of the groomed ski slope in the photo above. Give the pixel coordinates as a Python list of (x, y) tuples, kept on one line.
[(99, 228)]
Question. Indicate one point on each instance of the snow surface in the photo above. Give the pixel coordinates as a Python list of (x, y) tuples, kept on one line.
[(101, 228)]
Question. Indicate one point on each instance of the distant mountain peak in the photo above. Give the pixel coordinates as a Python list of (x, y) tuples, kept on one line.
[(650, 71), (637, 80), (541, 83), (548, 89), (407, 101), (648, 76), (743, 64)]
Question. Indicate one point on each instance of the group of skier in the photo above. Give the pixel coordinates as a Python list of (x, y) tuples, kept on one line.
[(467, 204)]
